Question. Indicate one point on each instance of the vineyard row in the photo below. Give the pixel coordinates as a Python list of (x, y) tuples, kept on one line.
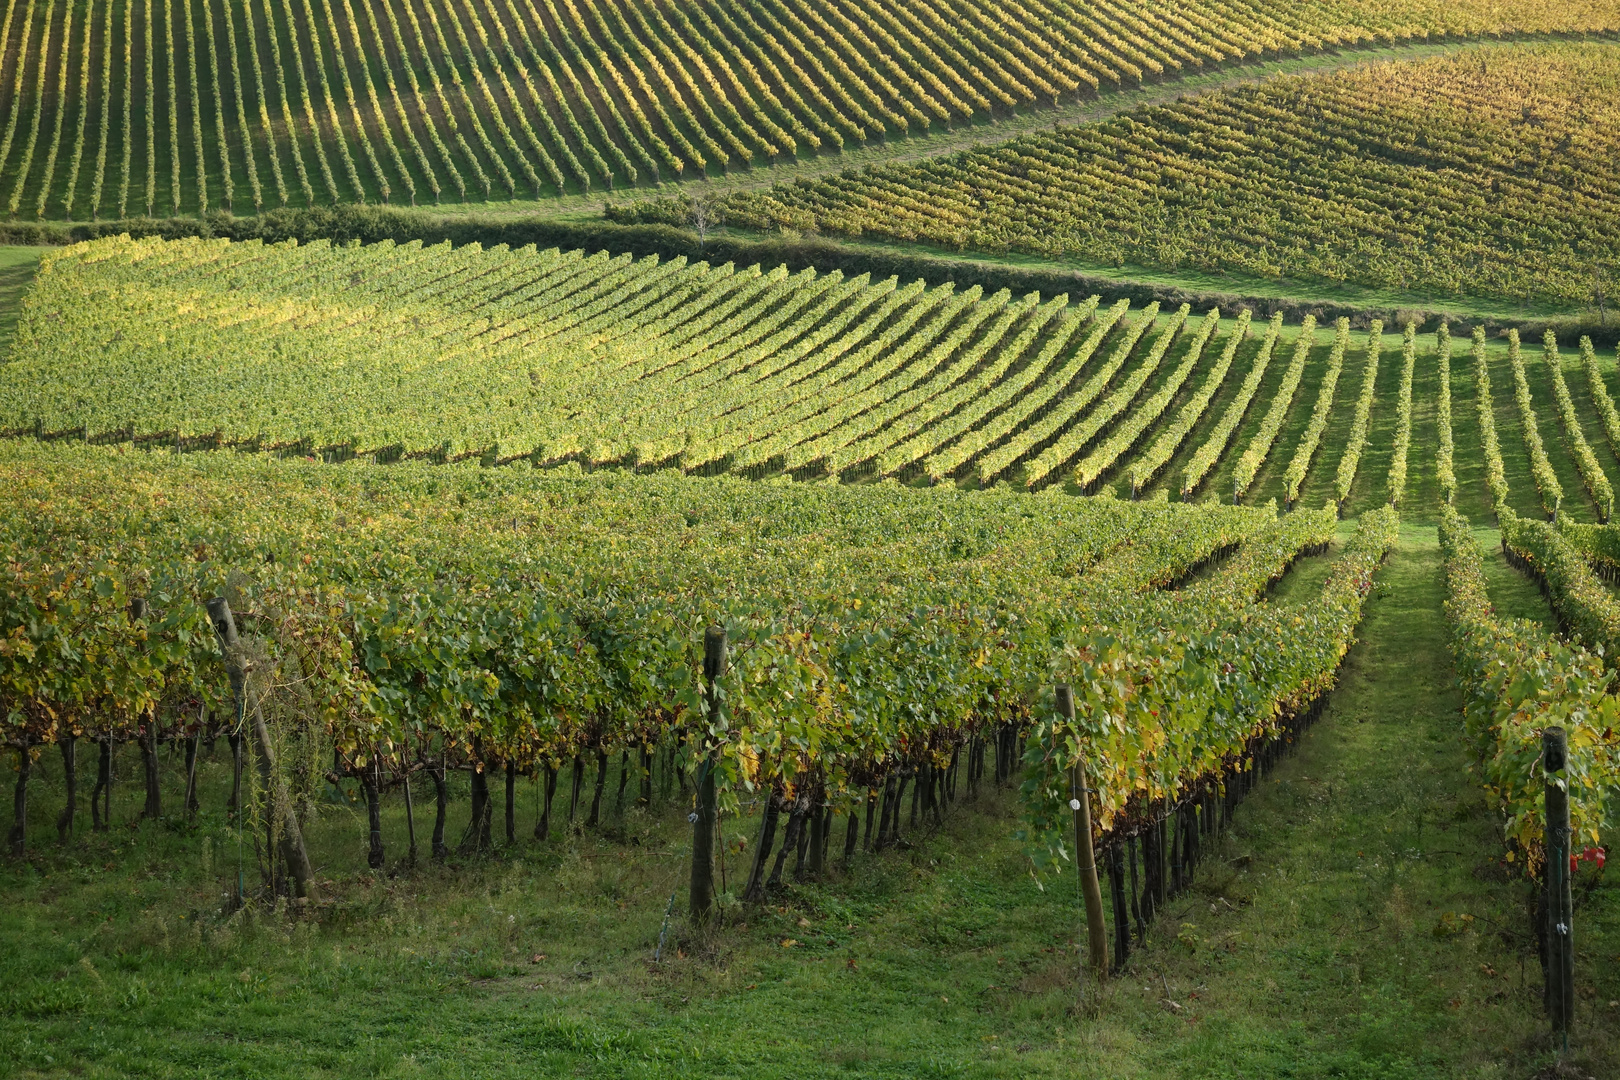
[(1410, 176), (411, 620), (391, 352), (195, 105)]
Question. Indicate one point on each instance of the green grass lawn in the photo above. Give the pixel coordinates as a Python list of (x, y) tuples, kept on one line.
[(1354, 923), (17, 266)]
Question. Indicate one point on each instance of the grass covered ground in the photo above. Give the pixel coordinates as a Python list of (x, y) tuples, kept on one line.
[(17, 266), (1355, 924)]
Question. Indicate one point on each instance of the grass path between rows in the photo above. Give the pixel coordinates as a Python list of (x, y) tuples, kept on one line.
[(1353, 925), (1373, 934), (17, 267)]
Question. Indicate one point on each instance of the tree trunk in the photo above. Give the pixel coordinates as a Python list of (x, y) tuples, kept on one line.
[(1148, 897), (705, 813), (99, 821), (542, 828), (899, 803), (486, 821), (1161, 850), (70, 777), (818, 842), (624, 778), (191, 804), (1085, 856), (1122, 915), (852, 837), (293, 853), (480, 795), (511, 803), (1136, 894), (441, 809), (410, 818), (248, 701), (369, 783), (154, 799), (806, 829), (790, 842), (17, 840), (916, 791), (890, 782), (925, 781), (235, 805), (646, 777), (871, 811), (573, 797), (755, 892), (1172, 824), (601, 782), (477, 838)]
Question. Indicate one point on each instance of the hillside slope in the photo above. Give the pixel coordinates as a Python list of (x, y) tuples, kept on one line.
[(112, 109), (1486, 173), (547, 357)]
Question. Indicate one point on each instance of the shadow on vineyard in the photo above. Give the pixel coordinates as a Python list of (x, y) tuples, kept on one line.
[(17, 266), (1352, 924)]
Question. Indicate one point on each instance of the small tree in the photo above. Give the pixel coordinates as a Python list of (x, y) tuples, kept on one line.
[(705, 215)]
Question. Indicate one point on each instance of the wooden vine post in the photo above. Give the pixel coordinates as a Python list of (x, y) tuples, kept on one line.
[(1559, 931), (292, 836), (1084, 854), (70, 777), (17, 841), (701, 898)]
